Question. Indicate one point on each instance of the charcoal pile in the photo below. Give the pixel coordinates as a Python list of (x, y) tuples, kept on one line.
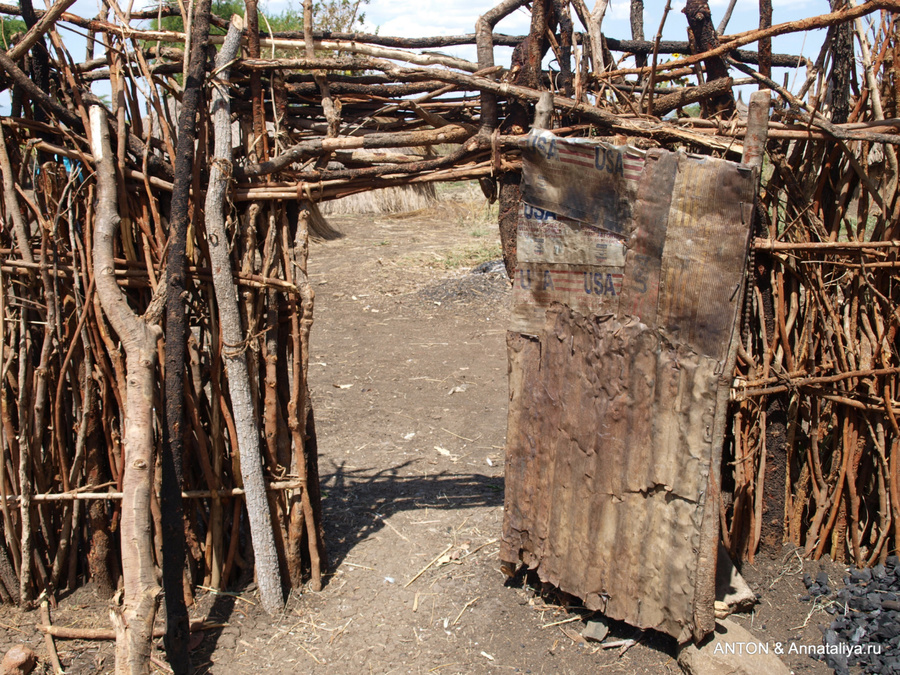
[(865, 633), (475, 286)]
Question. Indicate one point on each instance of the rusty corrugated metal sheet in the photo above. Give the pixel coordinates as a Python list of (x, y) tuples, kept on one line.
[(620, 330)]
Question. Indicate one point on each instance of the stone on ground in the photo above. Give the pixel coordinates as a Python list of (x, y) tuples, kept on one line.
[(19, 660), (730, 650), (595, 630), (732, 592)]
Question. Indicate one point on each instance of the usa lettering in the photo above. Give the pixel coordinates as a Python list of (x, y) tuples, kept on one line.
[(548, 281), (609, 160), (543, 145), (598, 283), (523, 277)]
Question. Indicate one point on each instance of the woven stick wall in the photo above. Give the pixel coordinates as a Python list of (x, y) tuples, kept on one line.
[(814, 457)]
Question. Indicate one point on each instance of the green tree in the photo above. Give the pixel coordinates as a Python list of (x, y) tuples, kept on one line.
[(9, 27), (341, 16), (223, 8)]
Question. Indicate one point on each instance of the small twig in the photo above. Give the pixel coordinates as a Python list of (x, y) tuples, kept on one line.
[(470, 440), (465, 607), (399, 534), (162, 665), (651, 83), (571, 619), (478, 548), (818, 606), (784, 570), (425, 569), (340, 630), (216, 591), (309, 652), (362, 567)]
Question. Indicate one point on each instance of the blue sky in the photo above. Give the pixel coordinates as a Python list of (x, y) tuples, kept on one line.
[(414, 18), (417, 18)]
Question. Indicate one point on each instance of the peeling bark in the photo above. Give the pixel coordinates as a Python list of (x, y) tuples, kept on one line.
[(703, 38), (133, 617)]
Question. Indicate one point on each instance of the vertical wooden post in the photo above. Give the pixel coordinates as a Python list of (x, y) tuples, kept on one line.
[(765, 45), (173, 548), (705, 596), (637, 29), (133, 619), (757, 128), (268, 576), (703, 38)]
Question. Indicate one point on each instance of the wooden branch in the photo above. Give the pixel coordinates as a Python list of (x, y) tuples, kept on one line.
[(645, 47), (11, 203), (815, 118), (642, 47), (740, 39), (772, 245), (85, 494), (688, 95), (422, 59), (134, 617), (651, 84), (705, 40), (331, 112), (744, 391), (484, 37), (73, 633), (324, 190), (36, 95), (723, 24), (48, 637), (765, 45), (304, 505), (592, 22), (432, 42), (757, 128), (172, 516), (35, 33), (448, 134), (598, 116), (234, 349), (160, 12)]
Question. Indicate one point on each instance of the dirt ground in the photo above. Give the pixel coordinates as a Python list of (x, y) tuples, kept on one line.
[(409, 379)]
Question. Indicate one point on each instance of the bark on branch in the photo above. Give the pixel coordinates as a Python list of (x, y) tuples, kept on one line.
[(173, 547), (234, 344), (133, 619)]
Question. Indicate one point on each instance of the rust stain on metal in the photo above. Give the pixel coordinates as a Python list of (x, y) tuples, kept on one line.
[(606, 483), (614, 386)]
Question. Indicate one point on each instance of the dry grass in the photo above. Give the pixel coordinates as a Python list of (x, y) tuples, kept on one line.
[(464, 205), (402, 199), (387, 200)]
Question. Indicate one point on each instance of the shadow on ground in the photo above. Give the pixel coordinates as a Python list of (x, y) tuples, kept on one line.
[(356, 502)]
